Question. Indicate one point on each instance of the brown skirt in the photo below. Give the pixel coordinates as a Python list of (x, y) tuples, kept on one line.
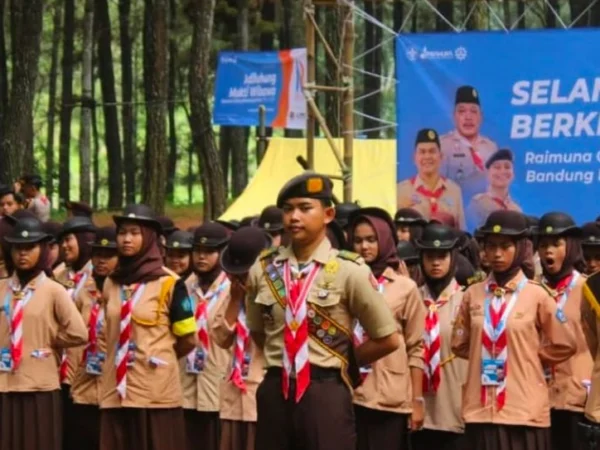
[(380, 430), (487, 436), (565, 430), (142, 429), (30, 421), (237, 435), (439, 440), (85, 428), (202, 429)]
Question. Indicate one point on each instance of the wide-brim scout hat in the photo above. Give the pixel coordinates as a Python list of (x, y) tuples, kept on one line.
[(590, 233), (308, 185), (373, 211), (210, 235), (139, 213), (79, 209), (505, 223), (106, 237), (243, 249), (437, 237), (77, 224), (168, 226), (230, 225), (53, 229), (409, 216), (336, 236), (180, 240), (532, 223), (557, 224), (249, 221), (271, 219), (28, 230), (343, 212), (407, 252)]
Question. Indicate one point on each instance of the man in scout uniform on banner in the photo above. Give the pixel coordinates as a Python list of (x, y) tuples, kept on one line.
[(428, 192), (302, 302), (465, 150)]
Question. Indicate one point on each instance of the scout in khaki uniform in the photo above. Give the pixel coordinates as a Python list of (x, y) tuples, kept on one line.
[(203, 369), (38, 320), (149, 321), (56, 258), (271, 221), (559, 247), (85, 388), (10, 201), (465, 150), (444, 373), (302, 302), (590, 243), (428, 192), (390, 395), (409, 224), (35, 201), (230, 331), (178, 256), (500, 174), (509, 328)]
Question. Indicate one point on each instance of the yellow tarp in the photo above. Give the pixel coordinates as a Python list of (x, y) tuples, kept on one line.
[(373, 183)]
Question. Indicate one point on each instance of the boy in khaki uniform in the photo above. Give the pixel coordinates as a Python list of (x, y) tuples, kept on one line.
[(301, 304)]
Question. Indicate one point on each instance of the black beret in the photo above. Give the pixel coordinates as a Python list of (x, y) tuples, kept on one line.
[(437, 237), (307, 185), (466, 94), (503, 154), (106, 237), (409, 216), (427, 136)]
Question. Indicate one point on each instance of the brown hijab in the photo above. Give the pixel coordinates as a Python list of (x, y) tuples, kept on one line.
[(387, 256), (144, 267)]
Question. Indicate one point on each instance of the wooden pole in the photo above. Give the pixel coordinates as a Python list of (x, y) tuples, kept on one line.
[(262, 134), (309, 11), (348, 99)]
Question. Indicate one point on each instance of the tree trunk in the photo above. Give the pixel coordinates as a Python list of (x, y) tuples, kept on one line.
[(446, 9), (15, 153), (521, 13), (225, 153), (87, 104), (398, 14), (506, 14), (3, 71), (577, 8), (109, 99), (202, 12), (550, 15), (293, 35), (127, 94), (172, 164), (96, 162), (267, 43), (56, 23), (373, 36), (156, 14)]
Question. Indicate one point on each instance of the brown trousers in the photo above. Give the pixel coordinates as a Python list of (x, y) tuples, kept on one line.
[(237, 435), (380, 430), (439, 440), (202, 429), (322, 420)]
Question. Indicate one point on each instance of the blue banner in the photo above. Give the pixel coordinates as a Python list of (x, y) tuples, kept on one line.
[(507, 121), (247, 80)]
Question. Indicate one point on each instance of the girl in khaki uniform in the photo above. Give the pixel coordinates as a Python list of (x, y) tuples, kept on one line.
[(37, 320), (149, 325), (508, 327), (559, 247), (204, 368), (85, 389), (391, 391), (230, 331), (178, 256), (442, 295)]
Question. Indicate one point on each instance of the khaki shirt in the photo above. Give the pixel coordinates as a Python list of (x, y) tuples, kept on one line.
[(51, 322), (568, 384), (236, 404), (59, 270), (388, 387), (350, 295), (590, 315), (458, 164), (536, 337), (85, 388), (41, 207), (451, 200), (443, 408), (482, 205), (201, 391), (148, 385)]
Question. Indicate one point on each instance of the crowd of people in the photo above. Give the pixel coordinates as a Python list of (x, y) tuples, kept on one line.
[(311, 326)]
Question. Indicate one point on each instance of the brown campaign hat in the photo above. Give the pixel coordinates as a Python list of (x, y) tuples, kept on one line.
[(79, 209), (271, 219), (591, 234), (139, 213), (106, 237), (505, 223), (307, 185), (210, 235), (243, 249)]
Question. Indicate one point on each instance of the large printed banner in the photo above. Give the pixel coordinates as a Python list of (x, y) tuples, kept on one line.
[(247, 80), (507, 121)]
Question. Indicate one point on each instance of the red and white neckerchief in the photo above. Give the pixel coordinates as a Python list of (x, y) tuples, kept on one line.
[(564, 288), (432, 195), (477, 160), (94, 325), (432, 340), (19, 298), (494, 336), (242, 339), (358, 333), (295, 332), (129, 299)]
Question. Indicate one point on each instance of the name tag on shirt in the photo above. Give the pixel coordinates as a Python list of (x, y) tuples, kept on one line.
[(246, 366), (6, 363), (93, 363), (131, 354), (195, 362), (492, 372)]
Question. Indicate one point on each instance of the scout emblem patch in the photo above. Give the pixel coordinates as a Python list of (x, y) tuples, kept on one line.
[(314, 185)]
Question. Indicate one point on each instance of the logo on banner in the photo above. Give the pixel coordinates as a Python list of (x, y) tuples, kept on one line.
[(413, 54), (460, 53)]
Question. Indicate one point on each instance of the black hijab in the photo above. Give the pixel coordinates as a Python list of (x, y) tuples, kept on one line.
[(437, 285), (573, 260)]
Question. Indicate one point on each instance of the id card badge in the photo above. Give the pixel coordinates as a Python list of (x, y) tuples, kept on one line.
[(6, 363), (246, 366), (195, 362), (131, 354), (492, 372), (93, 363)]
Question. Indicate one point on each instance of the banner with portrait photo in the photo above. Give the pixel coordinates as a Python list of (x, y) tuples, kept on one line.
[(275, 80), (515, 116)]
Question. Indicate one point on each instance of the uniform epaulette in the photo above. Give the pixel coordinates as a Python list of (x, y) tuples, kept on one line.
[(268, 252), (543, 286), (67, 284), (350, 256)]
